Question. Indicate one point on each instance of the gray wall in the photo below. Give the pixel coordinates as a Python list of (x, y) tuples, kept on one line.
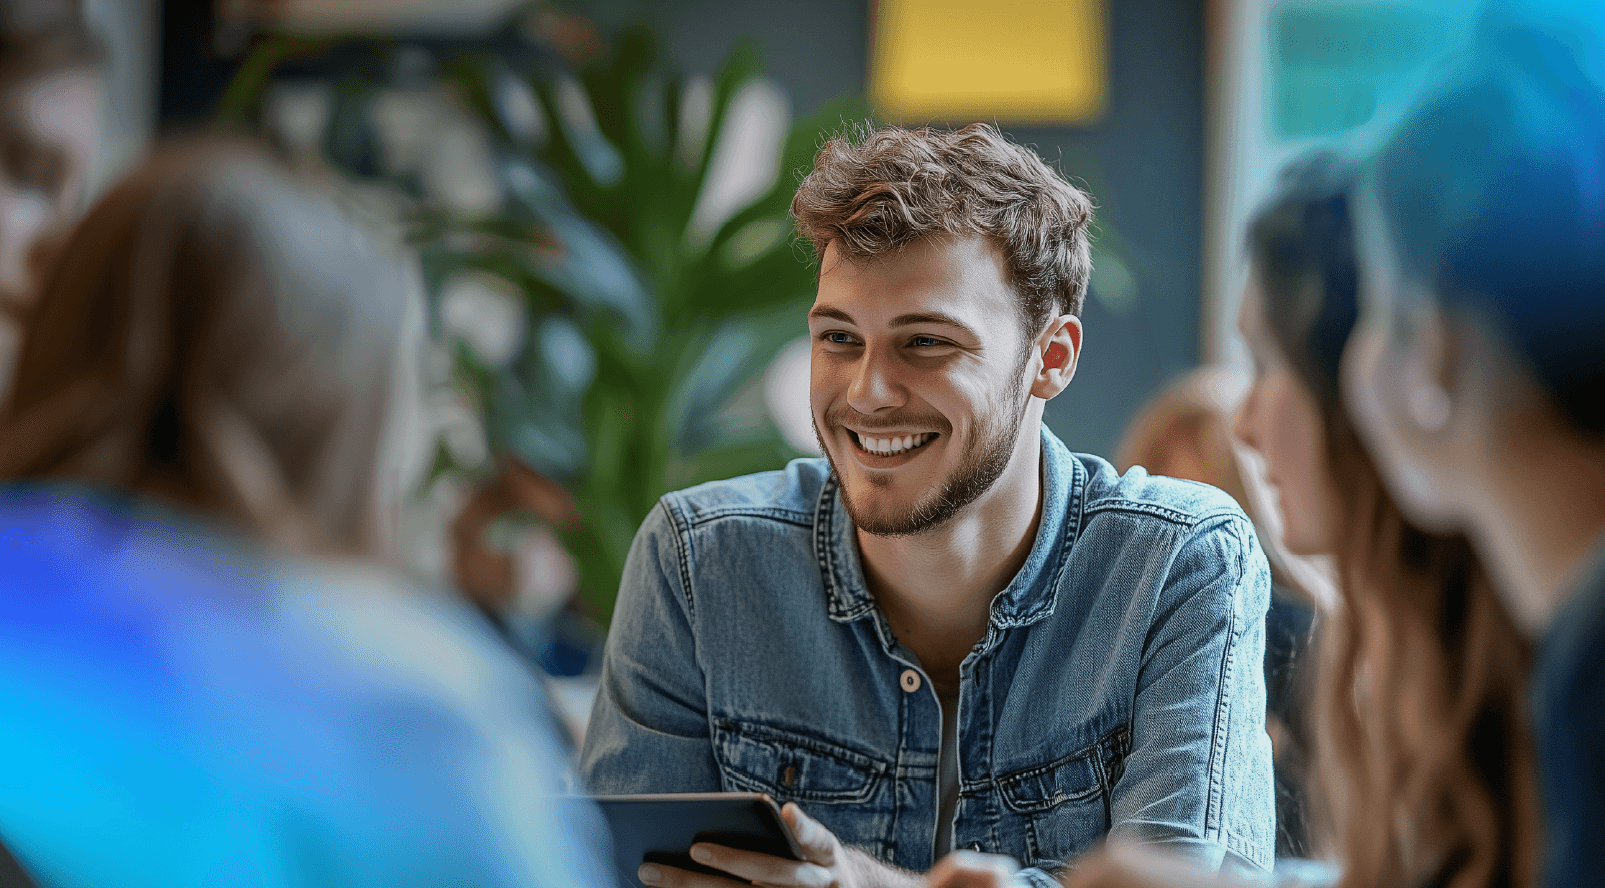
[(1143, 162)]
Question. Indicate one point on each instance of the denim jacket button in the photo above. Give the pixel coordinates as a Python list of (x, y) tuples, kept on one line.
[(911, 680)]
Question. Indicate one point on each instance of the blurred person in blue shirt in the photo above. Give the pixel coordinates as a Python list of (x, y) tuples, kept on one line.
[(206, 674), (1478, 371), (952, 632)]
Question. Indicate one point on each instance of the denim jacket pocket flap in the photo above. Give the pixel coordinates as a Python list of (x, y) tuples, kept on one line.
[(1047, 786), (791, 766)]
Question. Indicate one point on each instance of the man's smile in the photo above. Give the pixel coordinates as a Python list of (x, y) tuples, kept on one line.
[(887, 450)]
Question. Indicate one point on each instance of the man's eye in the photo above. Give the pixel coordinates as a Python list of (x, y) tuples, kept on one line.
[(925, 341), (838, 337)]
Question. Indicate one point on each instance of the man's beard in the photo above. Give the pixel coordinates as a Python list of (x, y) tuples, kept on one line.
[(982, 464)]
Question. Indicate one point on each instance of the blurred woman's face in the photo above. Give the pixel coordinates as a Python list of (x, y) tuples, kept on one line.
[(1282, 421)]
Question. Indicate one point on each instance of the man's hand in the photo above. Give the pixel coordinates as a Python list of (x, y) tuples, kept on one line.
[(970, 869), (827, 864)]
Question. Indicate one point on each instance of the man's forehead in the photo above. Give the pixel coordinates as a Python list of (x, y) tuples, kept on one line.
[(961, 277)]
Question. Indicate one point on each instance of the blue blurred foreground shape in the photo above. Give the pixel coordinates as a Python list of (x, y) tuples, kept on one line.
[(1490, 199), (182, 710), (208, 675)]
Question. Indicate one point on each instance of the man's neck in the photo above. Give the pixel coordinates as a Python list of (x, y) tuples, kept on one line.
[(936, 588)]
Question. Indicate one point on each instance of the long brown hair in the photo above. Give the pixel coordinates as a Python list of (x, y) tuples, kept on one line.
[(1422, 751), (219, 335)]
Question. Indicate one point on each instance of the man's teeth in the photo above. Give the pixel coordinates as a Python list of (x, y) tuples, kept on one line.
[(894, 446)]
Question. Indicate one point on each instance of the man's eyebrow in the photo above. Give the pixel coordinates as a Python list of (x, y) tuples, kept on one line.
[(826, 312), (931, 317)]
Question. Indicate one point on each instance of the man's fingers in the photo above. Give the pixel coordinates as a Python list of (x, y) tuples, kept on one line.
[(661, 876), (968, 869), (818, 843), (764, 869)]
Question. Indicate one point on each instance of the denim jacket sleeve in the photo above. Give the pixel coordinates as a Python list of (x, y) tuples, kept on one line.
[(649, 729), (1201, 782)]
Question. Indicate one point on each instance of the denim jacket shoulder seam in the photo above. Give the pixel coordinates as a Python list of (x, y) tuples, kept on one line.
[(682, 551), (1156, 510), (774, 513)]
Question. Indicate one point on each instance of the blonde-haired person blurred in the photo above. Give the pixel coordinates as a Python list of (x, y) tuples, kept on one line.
[(1424, 765), (207, 673), (1185, 431)]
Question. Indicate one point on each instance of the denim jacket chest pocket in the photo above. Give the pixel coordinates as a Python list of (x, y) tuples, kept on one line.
[(1060, 810), (845, 790)]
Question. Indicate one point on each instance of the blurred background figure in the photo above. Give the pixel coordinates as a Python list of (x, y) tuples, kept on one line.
[(1479, 370), (50, 92), (1185, 432), (208, 672), (1423, 763)]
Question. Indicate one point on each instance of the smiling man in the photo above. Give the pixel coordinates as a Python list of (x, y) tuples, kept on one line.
[(951, 633)]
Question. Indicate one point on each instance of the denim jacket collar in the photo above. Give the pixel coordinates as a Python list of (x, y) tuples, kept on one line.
[(1029, 597)]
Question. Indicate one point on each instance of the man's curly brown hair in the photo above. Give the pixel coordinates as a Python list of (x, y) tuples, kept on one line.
[(874, 191)]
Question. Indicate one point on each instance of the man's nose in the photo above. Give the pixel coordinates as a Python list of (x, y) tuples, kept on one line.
[(874, 384)]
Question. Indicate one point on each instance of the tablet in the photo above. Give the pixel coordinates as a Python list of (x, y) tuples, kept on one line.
[(662, 828)]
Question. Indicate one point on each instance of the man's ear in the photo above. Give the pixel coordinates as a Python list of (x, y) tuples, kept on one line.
[(1054, 356)]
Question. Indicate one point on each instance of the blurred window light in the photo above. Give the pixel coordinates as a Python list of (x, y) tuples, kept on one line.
[(486, 313), (1334, 64), (298, 113), (785, 394), (746, 158), (1022, 61)]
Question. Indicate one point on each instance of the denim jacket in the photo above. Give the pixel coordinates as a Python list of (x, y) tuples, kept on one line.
[(1119, 688)]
